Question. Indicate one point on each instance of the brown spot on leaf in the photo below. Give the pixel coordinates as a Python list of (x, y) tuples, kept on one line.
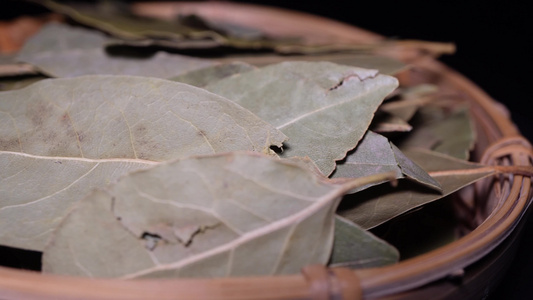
[(39, 112), (11, 144), (140, 129)]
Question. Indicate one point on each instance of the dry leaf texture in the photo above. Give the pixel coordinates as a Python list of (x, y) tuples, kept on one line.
[(61, 138)]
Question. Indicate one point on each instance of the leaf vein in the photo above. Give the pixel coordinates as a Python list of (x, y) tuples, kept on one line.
[(197, 130), (57, 192), (323, 108)]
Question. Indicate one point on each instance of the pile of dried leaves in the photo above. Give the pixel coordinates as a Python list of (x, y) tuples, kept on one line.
[(136, 147)]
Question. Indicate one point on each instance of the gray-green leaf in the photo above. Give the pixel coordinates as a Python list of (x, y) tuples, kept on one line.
[(61, 138), (323, 108)]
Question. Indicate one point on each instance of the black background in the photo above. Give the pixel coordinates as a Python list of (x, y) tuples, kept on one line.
[(494, 49)]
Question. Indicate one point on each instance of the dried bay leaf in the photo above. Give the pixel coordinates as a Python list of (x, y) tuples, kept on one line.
[(354, 247), (61, 50), (379, 204), (323, 108), (104, 116), (375, 154), (72, 130), (232, 214)]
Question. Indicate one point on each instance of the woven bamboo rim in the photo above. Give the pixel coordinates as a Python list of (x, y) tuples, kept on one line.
[(500, 143)]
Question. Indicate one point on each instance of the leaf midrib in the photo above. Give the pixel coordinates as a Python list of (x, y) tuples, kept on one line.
[(323, 108), (82, 159)]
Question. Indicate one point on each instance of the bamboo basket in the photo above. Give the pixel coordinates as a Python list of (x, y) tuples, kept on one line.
[(466, 268)]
